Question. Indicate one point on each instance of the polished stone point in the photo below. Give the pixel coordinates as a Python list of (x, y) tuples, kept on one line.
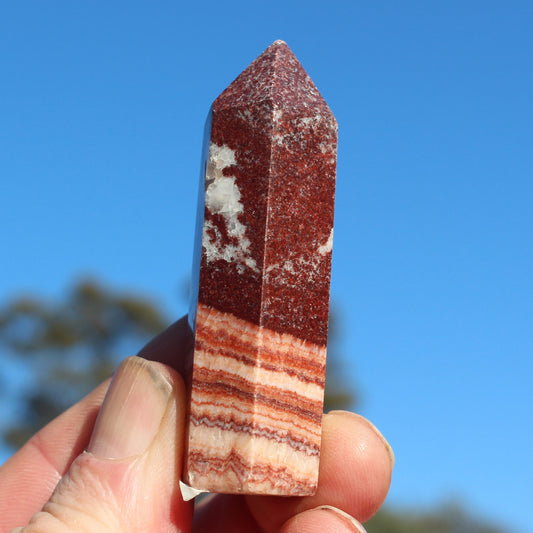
[(261, 281)]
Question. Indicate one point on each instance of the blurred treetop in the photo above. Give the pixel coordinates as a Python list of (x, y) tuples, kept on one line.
[(71, 346)]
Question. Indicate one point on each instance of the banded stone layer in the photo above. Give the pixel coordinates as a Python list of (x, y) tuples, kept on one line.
[(256, 408), (262, 273)]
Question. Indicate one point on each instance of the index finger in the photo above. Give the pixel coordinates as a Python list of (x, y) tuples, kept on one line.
[(28, 478)]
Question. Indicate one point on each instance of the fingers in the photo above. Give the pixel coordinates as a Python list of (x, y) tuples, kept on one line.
[(355, 469), (355, 472), (322, 519), (29, 477), (127, 481)]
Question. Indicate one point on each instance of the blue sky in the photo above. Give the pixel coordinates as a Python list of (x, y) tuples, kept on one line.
[(102, 106)]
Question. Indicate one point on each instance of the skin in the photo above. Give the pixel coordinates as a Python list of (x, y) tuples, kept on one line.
[(52, 485)]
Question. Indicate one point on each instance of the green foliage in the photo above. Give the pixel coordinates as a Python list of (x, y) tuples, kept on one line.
[(339, 393), (450, 518), (92, 317), (71, 346)]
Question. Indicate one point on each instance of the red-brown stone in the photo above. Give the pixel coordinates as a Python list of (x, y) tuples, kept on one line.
[(284, 139), (261, 276)]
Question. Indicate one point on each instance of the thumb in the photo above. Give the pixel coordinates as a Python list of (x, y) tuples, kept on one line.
[(128, 479)]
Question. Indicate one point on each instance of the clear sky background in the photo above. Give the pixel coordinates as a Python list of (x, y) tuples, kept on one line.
[(102, 107)]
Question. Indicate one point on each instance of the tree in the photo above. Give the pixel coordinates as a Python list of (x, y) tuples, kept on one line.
[(450, 518), (339, 394), (71, 346)]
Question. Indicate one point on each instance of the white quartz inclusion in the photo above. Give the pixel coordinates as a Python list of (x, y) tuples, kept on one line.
[(328, 246), (222, 197)]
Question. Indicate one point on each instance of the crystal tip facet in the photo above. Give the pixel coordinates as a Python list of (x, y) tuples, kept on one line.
[(275, 78)]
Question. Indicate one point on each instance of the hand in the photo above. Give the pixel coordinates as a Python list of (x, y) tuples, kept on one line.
[(127, 479)]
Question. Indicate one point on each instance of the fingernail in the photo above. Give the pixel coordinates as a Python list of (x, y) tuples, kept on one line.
[(132, 411), (384, 440), (345, 516)]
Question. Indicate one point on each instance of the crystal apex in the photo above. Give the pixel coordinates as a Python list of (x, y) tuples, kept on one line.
[(278, 79)]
